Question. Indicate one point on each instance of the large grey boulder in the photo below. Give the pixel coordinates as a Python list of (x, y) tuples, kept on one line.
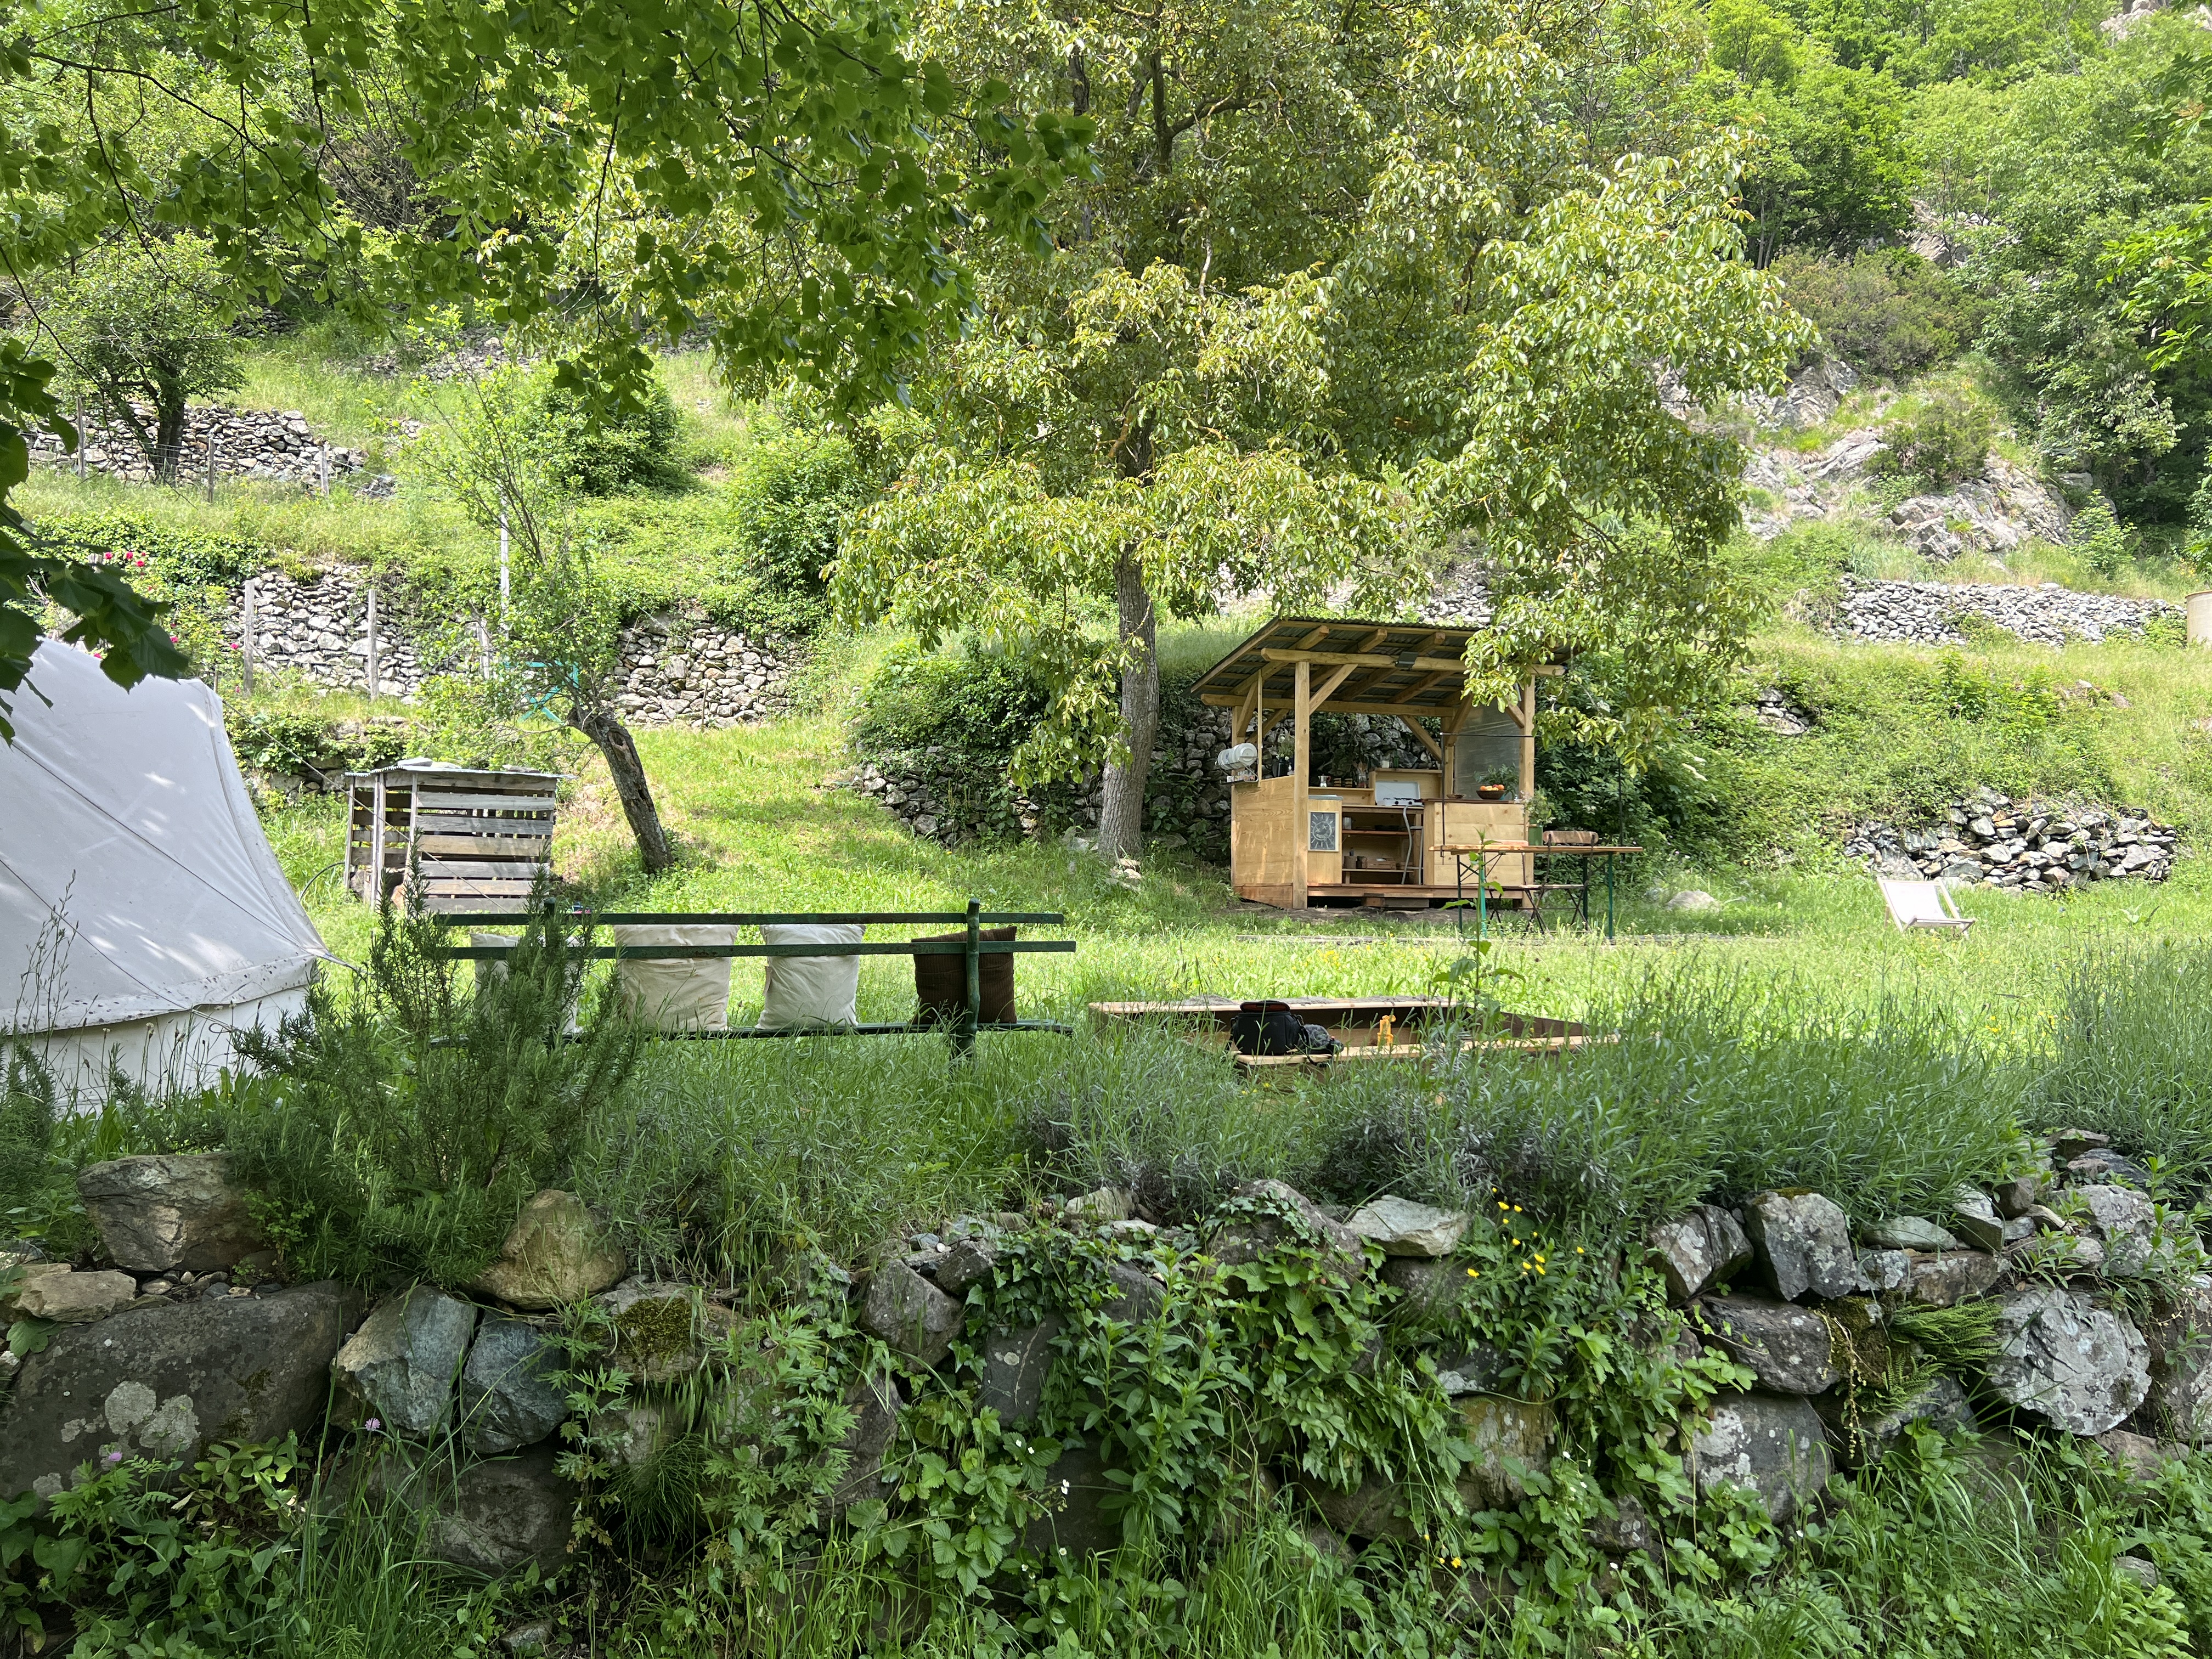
[(1789, 1349), (1402, 1227), (166, 1213), (2124, 1222), (2179, 1344), (1248, 1237), (1512, 1438), (910, 1314), (1136, 1296), (163, 1382), (493, 1517), (508, 1396), (1771, 1445), (874, 1402), (399, 1367), (1376, 1508), (1804, 1245), (2063, 1358), (555, 1253), (1016, 1364), (1429, 1290), (1945, 1280), (1698, 1249)]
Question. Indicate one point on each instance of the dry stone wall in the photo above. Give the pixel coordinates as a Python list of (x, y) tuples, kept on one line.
[(1992, 841), (1930, 613), (249, 443), (192, 1333), (674, 669)]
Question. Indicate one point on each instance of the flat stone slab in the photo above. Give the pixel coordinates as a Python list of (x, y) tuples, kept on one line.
[(1788, 1348), (1402, 1227)]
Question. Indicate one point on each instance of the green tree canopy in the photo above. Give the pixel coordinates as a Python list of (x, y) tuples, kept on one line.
[(782, 178), (140, 328), (1241, 378)]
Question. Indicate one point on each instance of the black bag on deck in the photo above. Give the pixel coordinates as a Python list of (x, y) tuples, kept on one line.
[(1266, 1028)]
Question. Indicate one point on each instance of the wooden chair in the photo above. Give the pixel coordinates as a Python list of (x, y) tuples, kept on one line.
[(1922, 904)]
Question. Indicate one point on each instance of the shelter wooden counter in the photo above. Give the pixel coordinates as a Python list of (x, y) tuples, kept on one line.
[(1295, 839)]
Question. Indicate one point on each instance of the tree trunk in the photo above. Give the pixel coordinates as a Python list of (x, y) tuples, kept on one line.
[(1122, 811), (168, 431), (612, 739)]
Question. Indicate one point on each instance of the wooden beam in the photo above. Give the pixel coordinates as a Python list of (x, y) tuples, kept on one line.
[(1301, 759), (1424, 683), (1419, 664), (1330, 685), (1392, 710), (1312, 639)]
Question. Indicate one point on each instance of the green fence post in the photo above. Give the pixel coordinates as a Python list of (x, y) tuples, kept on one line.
[(963, 1046)]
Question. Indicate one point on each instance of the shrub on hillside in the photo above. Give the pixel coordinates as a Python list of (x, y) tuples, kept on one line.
[(1889, 312), (1945, 441), (2104, 543), (977, 701), (606, 453)]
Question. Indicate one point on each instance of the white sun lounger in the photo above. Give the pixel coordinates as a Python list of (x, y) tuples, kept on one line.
[(1922, 904)]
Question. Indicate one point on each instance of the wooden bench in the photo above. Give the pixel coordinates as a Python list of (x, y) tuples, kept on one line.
[(963, 1032)]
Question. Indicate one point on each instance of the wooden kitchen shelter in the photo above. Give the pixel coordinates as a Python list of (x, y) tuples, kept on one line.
[(1300, 839)]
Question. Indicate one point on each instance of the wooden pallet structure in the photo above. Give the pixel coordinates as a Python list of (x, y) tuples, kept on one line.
[(481, 839)]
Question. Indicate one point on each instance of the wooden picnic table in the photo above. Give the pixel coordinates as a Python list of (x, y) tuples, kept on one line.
[(1481, 853)]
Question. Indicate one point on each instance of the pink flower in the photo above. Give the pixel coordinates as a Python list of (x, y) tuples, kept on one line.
[(115, 1457), (373, 1425)]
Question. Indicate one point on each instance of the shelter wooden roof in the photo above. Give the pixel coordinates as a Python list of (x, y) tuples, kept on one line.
[(1403, 668)]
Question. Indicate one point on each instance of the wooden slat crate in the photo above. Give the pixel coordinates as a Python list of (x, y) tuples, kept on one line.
[(480, 839)]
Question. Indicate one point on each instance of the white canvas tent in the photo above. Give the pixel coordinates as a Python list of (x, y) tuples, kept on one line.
[(142, 916)]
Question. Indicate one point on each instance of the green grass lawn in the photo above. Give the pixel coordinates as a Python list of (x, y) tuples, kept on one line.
[(761, 828)]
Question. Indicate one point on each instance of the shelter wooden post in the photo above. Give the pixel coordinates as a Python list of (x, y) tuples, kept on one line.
[(1301, 760)]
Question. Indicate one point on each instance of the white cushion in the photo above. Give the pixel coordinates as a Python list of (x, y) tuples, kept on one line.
[(812, 991), (675, 993)]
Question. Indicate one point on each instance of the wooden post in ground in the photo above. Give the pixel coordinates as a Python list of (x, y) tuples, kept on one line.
[(211, 473), (372, 645), (246, 629), (1301, 764)]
